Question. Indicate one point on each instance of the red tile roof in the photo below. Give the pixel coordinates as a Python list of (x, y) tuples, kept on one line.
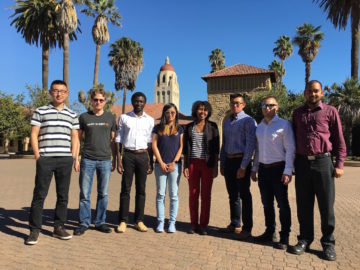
[(239, 70), (154, 110)]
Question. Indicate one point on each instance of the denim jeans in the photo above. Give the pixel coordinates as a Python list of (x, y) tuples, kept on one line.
[(173, 179), (271, 187), (103, 171)]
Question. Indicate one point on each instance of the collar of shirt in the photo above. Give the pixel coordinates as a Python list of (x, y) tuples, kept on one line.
[(275, 118), (319, 106), (52, 106), (132, 113)]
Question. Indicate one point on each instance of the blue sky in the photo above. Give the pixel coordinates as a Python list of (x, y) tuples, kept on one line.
[(186, 31)]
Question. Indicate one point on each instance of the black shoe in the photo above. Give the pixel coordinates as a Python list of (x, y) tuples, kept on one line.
[(80, 230), (266, 237), (282, 244), (203, 231), (103, 228), (329, 253), (299, 248), (33, 237), (192, 230), (61, 233)]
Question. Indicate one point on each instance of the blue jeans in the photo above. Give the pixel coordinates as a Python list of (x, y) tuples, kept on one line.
[(173, 179), (103, 171)]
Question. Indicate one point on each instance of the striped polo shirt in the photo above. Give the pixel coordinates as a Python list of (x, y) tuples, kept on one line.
[(55, 130)]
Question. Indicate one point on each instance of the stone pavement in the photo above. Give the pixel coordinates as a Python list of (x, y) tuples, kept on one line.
[(135, 250)]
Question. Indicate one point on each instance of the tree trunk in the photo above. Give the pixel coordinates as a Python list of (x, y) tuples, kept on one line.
[(66, 64), (355, 20), (45, 67), (96, 69), (307, 72), (124, 101), (282, 67)]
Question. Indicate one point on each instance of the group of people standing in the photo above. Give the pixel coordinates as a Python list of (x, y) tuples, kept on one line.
[(277, 147)]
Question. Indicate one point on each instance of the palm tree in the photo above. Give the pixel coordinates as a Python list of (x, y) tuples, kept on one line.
[(346, 99), (278, 68), (308, 40), (126, 58), (104, 11), (217, 60), (283, 50), (338, 12), (67, 22), (36, 21)]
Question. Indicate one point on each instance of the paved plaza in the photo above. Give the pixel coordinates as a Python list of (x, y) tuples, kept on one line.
[(135, 250)]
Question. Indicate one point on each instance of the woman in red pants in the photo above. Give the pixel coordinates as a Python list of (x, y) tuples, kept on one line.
[(201, 152)]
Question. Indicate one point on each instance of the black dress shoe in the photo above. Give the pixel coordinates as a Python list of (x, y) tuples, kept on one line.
[(299, 248), (103, 228), (282, 244), (329, 253), (266, 237), (80, 230), (203, 231), (192, 230)]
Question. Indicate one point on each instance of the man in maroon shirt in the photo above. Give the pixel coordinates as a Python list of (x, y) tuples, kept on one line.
[(319, 137)]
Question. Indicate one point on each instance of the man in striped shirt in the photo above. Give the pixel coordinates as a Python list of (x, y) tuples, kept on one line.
[(54, 140)]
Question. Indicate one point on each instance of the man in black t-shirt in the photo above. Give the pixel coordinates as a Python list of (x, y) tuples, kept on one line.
[(99, 128)]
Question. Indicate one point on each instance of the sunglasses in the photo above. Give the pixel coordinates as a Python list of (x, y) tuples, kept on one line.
[(237, 103), (98, 100), (264, 106)]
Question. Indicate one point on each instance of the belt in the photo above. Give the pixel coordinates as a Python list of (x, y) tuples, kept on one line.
[(272, 165), (315, 157), (140, 151), (236, 155)]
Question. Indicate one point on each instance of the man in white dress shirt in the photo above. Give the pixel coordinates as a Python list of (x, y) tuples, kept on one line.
[(274, 163), (134, 135)]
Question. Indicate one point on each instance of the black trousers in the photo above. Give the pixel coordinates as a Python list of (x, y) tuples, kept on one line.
[(240, 198), (133, 164), (315, 178), (46, 167), (271, 187)]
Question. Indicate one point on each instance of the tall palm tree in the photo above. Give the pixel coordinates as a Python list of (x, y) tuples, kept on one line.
[(308, 40), (283, 50), (36, 21), (338, 13), (278, 68), (217, 60), (103, 11), (346, 99), (126, 58), (67, 22)]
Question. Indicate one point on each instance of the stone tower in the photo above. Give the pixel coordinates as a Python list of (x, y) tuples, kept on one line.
[(166, 85)]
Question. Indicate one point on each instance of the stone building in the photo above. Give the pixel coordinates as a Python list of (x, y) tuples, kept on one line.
[(239, 78), (166, 85)]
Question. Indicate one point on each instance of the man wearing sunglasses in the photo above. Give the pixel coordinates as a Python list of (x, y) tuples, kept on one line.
[(235, 158), (319, 136), (98, 129), (274, 162)]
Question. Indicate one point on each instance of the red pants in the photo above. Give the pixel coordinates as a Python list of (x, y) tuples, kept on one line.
[(199, 173)]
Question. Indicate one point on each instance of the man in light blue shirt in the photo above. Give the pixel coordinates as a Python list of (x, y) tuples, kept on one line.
[(235, 164), (274, 163)]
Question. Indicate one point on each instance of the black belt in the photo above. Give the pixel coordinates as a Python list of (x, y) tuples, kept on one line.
[(272, 165), (140, 151), (314, 157), (236, 155)]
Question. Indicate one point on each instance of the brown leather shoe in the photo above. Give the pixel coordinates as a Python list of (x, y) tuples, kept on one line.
[(243, 235), (231, 229)]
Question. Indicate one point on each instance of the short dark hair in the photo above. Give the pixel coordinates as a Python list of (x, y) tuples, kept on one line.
[(267, 97), (137, 94), (58, 82), (196, 106), (311, 82), (237, 95)]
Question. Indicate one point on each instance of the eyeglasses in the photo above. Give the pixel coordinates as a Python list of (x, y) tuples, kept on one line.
[(98, 100), (237, 103), (60, 92), (170, 113), (270, 105)]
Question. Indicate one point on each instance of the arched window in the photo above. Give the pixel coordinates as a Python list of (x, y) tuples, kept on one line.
[(163, 97), (158, 96), (168, 93), (164, 78)]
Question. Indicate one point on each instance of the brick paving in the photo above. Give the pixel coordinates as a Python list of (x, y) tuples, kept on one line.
[(135, 250)]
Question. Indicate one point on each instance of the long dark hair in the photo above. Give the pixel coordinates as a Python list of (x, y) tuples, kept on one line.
[(163, 123)]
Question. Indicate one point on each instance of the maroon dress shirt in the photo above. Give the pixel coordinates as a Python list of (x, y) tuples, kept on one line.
[(319, 131)]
